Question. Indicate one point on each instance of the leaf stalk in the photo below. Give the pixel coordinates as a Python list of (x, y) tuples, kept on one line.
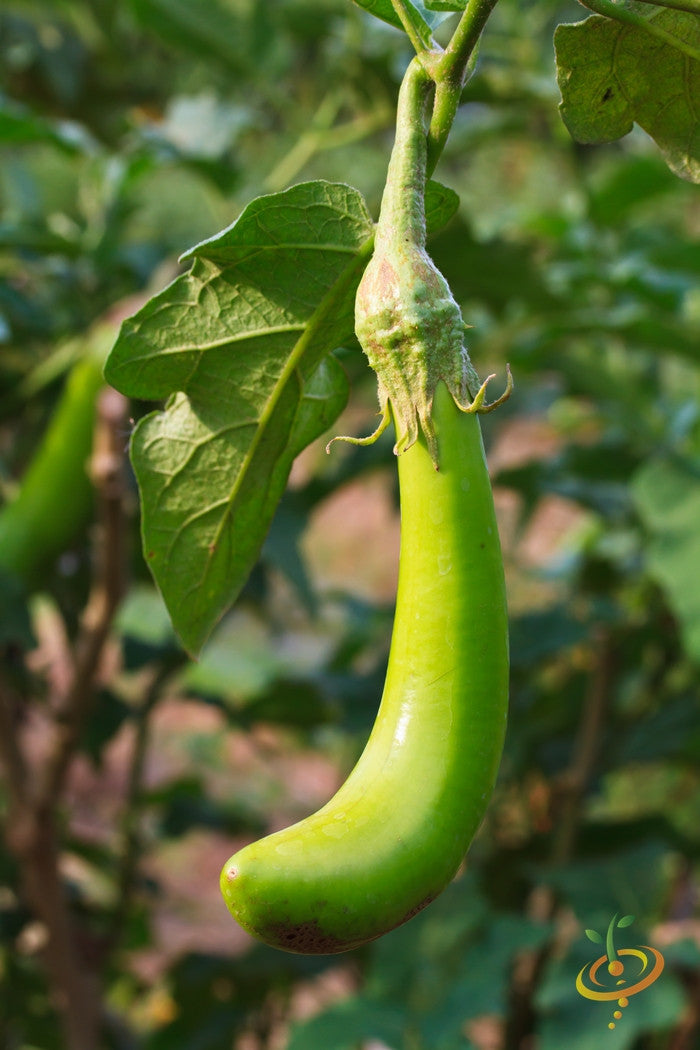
[(401, 7), (615, 11)]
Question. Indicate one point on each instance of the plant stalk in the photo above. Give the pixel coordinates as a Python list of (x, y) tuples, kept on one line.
[(612, 10), (450, 72), (403, 201)]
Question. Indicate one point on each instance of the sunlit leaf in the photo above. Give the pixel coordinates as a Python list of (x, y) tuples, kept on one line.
[(612, 75), (240, 343), (441, 204)]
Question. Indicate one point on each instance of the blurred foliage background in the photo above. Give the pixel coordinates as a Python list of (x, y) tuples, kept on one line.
[(129, 131)]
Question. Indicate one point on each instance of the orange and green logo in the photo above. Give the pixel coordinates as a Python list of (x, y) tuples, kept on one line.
[(620, 973)]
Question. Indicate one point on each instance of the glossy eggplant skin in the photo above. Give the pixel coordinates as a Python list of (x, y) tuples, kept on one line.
[(395, 833)]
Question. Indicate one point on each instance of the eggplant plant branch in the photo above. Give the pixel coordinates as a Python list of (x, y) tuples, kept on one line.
[(450, 70), (447, 68)]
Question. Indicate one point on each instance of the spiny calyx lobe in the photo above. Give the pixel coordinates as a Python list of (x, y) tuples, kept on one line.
[(406, 320), (411, 330)]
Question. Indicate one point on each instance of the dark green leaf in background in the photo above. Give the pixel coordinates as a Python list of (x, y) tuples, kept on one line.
[(18, 124), (206, 27), (612, 75), (240, 343), (667, 495), (348, 1024), (441, 204)]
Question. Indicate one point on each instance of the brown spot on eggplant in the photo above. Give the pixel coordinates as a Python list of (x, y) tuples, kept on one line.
[(308, 938), (415, 909)]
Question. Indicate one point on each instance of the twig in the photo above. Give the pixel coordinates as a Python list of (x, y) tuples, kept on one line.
[(449, 73), (10, 747), (573, 784), (74, 988), (306, 145), (572, 787), (30, 836), (132, 804), (321, 135), (32, 833), (453, 64), (684, 1036), (107, 470)]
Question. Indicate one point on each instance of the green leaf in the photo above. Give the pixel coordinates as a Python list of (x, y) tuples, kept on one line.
[(422, 19), (15, 621), (240, 346), (667, 496), (143, 616), (626, 920), (348, 1024), (596, 885), (98, 732), (612, 74), (594, 936), (535, 636), (208, 28), (441, 204), (282, 550), (19, 125), (662, 734)]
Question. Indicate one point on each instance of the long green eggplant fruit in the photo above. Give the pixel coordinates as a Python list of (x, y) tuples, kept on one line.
[(55, 495), (395, 833)]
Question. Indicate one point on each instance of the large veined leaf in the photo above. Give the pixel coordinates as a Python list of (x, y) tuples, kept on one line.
[(667, 495), (241, 347), (241, 343), (612, 75)]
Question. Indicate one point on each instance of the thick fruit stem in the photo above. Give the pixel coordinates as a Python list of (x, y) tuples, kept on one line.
[(402, 216), (406, 319)]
